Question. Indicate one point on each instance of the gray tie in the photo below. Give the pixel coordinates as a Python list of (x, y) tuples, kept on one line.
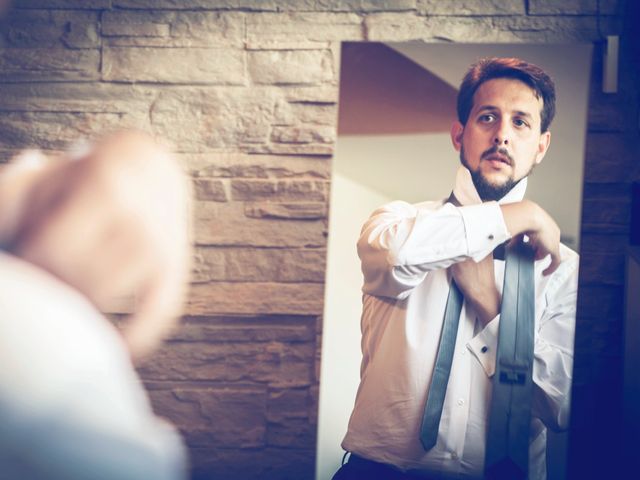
[(438, 389), (508, 437), (507, 454)]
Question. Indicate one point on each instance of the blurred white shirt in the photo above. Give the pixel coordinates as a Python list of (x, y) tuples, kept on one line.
[(405, 250), (71, 404)]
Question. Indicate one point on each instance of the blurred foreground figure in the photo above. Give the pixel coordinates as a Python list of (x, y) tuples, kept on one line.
[(75, 234)]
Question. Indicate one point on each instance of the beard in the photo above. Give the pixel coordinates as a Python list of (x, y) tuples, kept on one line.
[(486, 190)]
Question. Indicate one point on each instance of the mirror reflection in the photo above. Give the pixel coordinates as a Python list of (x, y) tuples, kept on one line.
[(397, 106)]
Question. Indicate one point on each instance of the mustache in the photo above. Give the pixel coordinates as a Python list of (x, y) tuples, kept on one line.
[(499, 151)]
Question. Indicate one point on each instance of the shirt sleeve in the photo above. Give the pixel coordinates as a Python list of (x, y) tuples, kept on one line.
[(47, 446), (553, 347), (401, 243), (71, 403), (553, 350), (484, 346)]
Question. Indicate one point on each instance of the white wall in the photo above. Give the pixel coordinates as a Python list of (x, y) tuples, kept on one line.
[(352, 203), (413, 168)]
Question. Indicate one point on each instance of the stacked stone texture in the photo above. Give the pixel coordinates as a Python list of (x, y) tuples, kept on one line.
[(247, 91)]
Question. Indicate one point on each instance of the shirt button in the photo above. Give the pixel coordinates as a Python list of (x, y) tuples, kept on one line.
[(463, 352), (491, 236), (484, 349), (461, 401)]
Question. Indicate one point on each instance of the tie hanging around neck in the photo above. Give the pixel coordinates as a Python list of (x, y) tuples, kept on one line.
[(510, 416), (507, 453), (440, 377)]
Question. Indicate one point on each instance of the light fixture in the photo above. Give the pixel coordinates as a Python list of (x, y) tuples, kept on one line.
[(610, 65)]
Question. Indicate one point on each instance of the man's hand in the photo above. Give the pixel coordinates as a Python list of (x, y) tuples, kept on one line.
[(112, 223), (527, 217), (477, 283)]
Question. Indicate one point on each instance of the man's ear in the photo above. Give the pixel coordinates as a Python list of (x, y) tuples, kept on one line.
[(457, 129), (543, 146)]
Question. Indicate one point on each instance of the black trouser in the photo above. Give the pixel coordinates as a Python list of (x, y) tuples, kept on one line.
[(358, 468)]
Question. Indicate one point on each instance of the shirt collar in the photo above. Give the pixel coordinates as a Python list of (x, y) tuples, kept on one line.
[(466, 193)]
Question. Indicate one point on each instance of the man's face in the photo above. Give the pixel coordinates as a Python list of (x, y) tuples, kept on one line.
[(501, 141)]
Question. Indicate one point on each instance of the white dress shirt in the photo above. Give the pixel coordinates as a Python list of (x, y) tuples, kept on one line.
[(405, 251), (71, 404)]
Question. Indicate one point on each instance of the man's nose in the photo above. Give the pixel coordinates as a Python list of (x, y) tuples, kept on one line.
[(501, 135)]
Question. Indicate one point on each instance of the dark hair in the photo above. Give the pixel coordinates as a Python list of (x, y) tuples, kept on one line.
[(490, 68)]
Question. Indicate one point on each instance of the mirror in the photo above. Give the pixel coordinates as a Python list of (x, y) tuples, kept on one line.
[(397, 103)]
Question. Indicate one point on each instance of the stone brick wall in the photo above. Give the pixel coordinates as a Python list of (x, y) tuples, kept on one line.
[(247, 92)]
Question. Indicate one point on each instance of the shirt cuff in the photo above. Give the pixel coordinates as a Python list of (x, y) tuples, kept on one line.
[(485, 344), (484, 227)]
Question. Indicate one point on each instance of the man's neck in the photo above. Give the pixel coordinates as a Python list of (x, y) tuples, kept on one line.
[(465, 192)]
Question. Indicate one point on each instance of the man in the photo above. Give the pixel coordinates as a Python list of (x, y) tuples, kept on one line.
[(410, 255), (75, 233)]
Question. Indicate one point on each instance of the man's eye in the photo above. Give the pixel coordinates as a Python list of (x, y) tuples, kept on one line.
[(518, 122), (487, 118)]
